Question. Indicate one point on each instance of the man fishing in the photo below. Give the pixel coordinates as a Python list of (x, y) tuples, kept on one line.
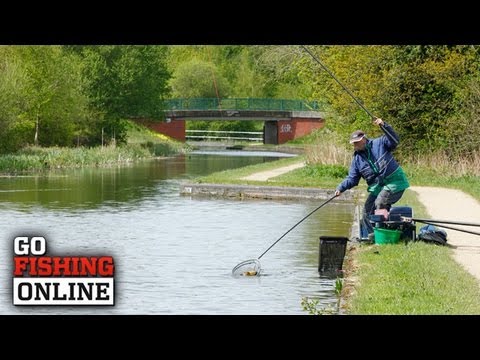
[(373, 161)]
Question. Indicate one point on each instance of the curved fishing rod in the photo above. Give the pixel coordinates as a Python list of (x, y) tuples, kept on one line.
[(298, 223), (348, 92)]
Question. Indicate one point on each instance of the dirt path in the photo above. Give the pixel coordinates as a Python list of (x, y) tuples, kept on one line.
[(265, 175), (455, 205)]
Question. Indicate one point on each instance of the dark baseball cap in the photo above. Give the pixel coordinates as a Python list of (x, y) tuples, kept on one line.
[(356, 136)]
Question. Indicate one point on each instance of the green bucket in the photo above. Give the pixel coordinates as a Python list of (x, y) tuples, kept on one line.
[(386, 236)]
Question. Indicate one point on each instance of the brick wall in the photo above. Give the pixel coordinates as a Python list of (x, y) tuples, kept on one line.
[(292, 129), (175, 128)]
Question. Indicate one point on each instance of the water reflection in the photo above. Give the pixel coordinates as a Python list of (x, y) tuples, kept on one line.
[(89, 188)]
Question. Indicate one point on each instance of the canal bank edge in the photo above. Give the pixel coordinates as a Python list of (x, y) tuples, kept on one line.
[(262, 192)]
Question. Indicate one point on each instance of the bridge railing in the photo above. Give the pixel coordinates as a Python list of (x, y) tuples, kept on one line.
[(241, 104), (223, 135)]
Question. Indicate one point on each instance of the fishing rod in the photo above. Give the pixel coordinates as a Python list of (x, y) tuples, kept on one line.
[(384, 129), (440, 222), (450, 227)]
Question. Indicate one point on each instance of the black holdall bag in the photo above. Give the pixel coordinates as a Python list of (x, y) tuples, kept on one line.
[(432, 234)]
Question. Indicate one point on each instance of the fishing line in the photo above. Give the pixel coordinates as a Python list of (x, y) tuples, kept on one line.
[(252, 267), (387, 132)]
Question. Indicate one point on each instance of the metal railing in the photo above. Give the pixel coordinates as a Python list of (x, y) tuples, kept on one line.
[(220, 135), (241, 104)]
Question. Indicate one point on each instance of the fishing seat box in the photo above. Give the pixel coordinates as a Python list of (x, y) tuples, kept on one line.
[(409, 229), (396, 212)]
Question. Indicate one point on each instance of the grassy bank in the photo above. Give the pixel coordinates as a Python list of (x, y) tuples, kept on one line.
[(141, 144), (434, 177), (326, 176), (415, 279)]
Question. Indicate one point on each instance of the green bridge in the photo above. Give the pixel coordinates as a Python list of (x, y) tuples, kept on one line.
[(241, 104), (283, 119)]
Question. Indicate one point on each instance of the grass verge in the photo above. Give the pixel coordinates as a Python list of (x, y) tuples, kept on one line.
[(142, 144), (320, 176), (412, 279), (234, 176)]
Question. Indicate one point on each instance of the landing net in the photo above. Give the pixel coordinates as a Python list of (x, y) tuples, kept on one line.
[(247, 268)]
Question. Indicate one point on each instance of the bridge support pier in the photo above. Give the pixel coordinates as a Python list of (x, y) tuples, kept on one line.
[(281, 131)]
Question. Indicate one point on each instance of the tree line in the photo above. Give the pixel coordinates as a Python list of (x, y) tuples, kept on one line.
[(79, 95), (76, 95)]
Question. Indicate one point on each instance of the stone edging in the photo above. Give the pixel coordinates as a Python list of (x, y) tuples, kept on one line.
[(261, 192)]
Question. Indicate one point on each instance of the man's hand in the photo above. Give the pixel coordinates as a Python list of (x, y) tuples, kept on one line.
[(378, 122), (337, 192)]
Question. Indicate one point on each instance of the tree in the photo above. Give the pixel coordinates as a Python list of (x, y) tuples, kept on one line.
[(421, 90), (425, 92), (49, 100), (198, 79), (122, 82)]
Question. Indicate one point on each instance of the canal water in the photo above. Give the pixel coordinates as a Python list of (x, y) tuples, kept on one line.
[(173, 254)]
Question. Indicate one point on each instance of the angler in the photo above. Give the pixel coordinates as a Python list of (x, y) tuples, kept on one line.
[(374, 162)]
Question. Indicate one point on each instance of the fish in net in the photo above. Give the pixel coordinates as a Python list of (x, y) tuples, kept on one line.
[(247, 268)]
